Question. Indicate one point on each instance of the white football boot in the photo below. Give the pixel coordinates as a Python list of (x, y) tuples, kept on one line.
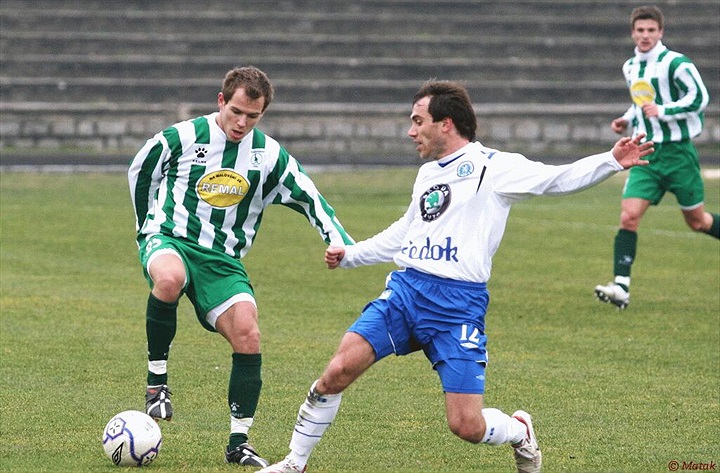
[(528, 457), (614, 294), (285, 466)]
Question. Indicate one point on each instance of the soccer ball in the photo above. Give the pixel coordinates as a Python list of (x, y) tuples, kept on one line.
[(132, 438)]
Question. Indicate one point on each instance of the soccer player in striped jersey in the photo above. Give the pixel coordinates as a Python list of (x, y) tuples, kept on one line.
[(444, 244), (199, 189), (668, 97)]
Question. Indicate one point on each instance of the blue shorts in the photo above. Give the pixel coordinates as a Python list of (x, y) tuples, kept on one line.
[(443, 317)]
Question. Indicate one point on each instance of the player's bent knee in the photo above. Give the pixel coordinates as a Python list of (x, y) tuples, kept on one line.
[(168, 289), (251, 337), (245, 335), (629, 223)]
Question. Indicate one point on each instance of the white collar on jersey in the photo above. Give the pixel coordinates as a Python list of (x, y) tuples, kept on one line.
[(652, 54)]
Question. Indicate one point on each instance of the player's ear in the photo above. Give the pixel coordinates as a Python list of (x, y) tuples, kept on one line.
[(221, 99)]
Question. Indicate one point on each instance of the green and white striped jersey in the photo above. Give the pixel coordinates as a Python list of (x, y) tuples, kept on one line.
[(673, 82), (190, 182)]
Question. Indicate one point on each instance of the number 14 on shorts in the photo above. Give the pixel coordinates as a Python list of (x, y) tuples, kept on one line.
[(469, 336)]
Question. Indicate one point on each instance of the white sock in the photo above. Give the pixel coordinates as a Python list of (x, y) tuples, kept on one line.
[(315, 416), (624, 280), (500, 428), (157, 366), (240, 426)]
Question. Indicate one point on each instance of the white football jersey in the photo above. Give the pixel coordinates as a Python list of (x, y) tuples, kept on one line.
[(460, 205)]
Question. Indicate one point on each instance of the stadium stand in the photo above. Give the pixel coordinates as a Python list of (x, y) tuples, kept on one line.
[(99, 78)]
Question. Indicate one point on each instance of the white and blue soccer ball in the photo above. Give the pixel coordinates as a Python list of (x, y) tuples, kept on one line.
[(132, 438)]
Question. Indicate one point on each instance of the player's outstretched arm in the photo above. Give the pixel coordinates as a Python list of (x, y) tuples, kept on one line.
[(333, 256), (630, 151)]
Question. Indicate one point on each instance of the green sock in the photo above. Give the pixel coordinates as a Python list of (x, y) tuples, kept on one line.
[(237, 439), (625, 249), (715, 228), (160, 327), (244, 390), (156, 379)]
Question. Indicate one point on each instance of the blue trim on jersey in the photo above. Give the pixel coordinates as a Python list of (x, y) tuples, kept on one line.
[(442, 165)]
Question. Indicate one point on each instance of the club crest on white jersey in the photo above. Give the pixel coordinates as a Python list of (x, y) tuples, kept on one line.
[(465, 169)]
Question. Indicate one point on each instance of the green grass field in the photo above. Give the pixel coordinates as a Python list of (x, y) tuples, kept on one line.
[(609, 391)]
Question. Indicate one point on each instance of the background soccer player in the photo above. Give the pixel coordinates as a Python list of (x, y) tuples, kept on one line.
[(668, 101), (199, 189), (445, 242)]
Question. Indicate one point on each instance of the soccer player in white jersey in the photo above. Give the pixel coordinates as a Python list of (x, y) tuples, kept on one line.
[(444, 244), (199, 189), (668, 97)]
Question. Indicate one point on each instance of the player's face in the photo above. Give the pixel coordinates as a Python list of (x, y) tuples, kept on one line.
[(426, 134), (646, 34), (239, 115)]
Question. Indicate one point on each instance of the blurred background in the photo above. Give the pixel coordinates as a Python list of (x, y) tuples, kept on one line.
[(88, 81)]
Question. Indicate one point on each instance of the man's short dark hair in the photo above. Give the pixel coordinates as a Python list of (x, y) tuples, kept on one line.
[(253, 80), (647, 12), (450, 99)]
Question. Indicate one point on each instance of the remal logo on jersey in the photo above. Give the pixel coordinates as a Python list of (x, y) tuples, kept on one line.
[(642, 92), (434, 202), (223, 188)]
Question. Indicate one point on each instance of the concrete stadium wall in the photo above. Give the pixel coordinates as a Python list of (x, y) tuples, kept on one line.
[(321, 133), (96, 79)]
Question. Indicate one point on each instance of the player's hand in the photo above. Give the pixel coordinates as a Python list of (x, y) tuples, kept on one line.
[(630, 151), (650, 110), (333, 256), (619, 125)]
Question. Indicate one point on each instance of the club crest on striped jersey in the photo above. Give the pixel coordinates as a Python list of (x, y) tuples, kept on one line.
[(434, 202), (222, 188), (256, 156)]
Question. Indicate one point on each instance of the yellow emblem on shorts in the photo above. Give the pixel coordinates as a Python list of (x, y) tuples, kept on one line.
[(642, 92), (223, 188)]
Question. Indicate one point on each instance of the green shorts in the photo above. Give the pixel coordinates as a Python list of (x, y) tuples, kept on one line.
[(674, 167), (214, 280)]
